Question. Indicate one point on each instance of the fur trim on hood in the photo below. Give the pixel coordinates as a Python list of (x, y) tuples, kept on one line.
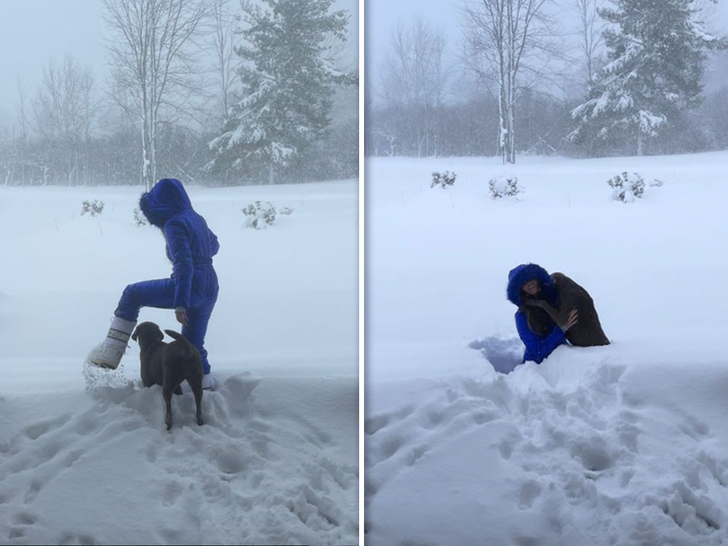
[(167, 198), (524, 273)]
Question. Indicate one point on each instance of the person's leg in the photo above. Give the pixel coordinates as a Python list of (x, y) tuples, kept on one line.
[(196, 329), (157, 293)]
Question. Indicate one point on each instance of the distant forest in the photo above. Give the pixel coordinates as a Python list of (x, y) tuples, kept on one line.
[(625, 77), (199, 91)]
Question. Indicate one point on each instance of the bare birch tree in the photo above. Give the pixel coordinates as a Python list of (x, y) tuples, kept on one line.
[(7, 155), (23, 127), (590, 35), (415, 79), (508, 42), (223, 44), (152, 63), (63, 112)]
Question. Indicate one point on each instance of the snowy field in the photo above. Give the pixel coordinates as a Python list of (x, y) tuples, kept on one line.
[(276, 461), (619, 445)]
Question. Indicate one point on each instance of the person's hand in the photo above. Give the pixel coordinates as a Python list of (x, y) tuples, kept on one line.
[(573, 319), (182, 317)]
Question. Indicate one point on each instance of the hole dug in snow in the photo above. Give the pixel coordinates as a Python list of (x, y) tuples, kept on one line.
[(596, 458), (503, 354)]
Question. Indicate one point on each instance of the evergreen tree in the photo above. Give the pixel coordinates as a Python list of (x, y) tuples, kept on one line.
[(656, 51), (287, 75)]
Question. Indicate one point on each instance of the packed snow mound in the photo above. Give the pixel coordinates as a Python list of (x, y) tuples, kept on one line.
[(272, 464), (587, 452)]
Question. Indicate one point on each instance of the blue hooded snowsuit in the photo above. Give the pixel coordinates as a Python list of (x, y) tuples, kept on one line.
[(538, 347), (190, 247)]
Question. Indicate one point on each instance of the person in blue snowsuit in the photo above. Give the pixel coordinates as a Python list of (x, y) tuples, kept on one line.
[(192, 289), (537, 330)]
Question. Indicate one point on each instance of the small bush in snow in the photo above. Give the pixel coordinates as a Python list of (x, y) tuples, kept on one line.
[(260, 214), (627, 187), (443, 180), (656, 183), (97, 207), (285, 211), (139, 219), (504, 187)]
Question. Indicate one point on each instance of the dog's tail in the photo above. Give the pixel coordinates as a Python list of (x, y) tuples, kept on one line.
[(179, 337)]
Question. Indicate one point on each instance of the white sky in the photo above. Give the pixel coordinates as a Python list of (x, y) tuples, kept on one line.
[(34, 31)]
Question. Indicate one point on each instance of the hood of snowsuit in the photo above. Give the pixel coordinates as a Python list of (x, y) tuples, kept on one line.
[(524, 273), (167, 198)]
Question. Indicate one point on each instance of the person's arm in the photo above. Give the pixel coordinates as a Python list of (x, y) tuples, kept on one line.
[(214, 244), (539, 347), (178, 242)]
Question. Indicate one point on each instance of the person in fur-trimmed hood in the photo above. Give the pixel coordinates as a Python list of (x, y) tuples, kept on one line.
[(191, 291), (552, 310)]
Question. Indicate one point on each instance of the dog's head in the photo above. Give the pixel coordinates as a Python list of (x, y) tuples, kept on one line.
[(149, 331)]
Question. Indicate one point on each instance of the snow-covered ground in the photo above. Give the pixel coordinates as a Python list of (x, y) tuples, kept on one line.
[(619, 445), (276, 461)]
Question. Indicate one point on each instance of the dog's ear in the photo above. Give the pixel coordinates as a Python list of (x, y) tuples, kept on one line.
[(158, 335)]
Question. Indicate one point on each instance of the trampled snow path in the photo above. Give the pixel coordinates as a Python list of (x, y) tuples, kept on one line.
[(587, 449), (102, 469)]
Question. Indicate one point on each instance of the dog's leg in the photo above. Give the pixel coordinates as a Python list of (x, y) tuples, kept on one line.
[(167, 394), (196, 385), (558, 318), (178, 390)]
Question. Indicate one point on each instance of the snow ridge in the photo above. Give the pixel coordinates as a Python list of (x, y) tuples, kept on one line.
[(575, 452), (110, 473)]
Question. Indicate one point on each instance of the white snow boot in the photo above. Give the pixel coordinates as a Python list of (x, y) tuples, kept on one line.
[(108, 354), (209, 383)]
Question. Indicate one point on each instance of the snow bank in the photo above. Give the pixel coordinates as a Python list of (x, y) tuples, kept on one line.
[(617, 445)]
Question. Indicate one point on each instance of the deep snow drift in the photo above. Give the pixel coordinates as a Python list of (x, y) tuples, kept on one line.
[(618, 445), (276, 461)]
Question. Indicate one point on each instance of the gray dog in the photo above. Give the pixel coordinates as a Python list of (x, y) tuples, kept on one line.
[(169, 364)]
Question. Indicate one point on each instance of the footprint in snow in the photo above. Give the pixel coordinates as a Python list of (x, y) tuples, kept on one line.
[(374, 424), (37, 430), (529, 492)]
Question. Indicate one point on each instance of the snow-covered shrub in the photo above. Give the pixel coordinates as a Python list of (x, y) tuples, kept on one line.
[(504, 186), (260, 214), (94, 208), (627, 187), (443, 179), (139, 218), (285, 211), (656, 183)]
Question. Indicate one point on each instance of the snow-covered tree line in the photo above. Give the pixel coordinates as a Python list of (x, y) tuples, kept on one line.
[(185, 75), (627, 77)]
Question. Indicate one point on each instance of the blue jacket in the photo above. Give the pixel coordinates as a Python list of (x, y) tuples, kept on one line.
[(190, 243), (537, 347)]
